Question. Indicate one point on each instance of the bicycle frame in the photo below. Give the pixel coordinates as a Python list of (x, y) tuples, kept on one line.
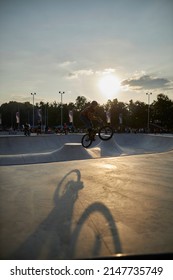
[(105, 133)]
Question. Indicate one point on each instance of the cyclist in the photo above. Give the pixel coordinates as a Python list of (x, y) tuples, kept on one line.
[(87, 115)]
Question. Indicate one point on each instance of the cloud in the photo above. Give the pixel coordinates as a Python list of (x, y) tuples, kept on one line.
[(76, 74), (146, 82), (89, 72), (66, 64), (72, 75), (105, 71)]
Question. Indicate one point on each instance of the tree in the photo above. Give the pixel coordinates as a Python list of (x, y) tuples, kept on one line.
[(163, 111), (81, 102), (116, 109), (134, 114)]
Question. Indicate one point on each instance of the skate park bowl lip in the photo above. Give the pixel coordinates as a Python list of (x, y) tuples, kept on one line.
[(16, 150)]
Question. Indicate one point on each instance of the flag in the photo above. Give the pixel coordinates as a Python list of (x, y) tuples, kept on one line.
[(70, 116), (17, 117), (108, 116), (39, 114), (120, 118)]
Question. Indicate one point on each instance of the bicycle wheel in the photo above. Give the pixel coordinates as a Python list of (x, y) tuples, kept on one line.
[(105, 132), (86, 141)]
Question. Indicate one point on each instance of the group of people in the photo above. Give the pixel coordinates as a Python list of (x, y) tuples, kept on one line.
[(87, 116), (27, 129)]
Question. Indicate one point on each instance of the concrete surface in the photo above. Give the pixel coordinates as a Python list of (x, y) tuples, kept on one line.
[(90, 207), (53, 148)]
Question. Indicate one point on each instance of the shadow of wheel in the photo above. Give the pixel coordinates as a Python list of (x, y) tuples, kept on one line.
[(102, 234)]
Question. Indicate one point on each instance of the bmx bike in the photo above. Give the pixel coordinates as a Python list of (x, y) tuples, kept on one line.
[(105, 132)]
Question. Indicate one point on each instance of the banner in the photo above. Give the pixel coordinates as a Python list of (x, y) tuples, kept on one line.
[(17, 117), (39, 112), (70, 116), (108, 116), (120, 118)]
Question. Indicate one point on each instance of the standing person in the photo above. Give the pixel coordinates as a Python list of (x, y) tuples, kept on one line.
[(27, 129), (88, 114), (39, 128), (65, 128)]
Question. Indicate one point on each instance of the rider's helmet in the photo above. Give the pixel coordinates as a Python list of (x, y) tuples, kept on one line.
[(94, 103)]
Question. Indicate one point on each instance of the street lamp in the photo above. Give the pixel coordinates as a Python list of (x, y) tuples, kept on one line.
[(148, 111), (33, 108), (60, 92)]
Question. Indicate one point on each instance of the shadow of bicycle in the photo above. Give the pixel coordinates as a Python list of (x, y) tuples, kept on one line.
[(71, 230)]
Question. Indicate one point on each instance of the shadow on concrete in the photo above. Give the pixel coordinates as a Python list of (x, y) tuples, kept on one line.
[(57, 236), (111, 231)]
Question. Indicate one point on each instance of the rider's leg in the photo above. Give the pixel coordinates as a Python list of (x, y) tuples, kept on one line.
[(87, 123), (89, 126), (91, 130), (92, 133)]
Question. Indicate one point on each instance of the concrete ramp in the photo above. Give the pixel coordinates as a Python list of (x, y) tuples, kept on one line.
[(72, 151), (108, 148), (69, 151), (144, 143), (20, 144), (132, 144), (52, 148)]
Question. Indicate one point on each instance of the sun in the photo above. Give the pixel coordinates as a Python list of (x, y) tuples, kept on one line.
[(109, 85)]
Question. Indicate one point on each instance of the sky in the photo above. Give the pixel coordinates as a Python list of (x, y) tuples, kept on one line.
[(100, 49)]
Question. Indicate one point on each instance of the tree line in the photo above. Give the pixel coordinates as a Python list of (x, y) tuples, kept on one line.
[(132, 115)]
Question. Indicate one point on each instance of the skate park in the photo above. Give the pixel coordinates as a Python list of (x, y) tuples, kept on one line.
[(62, 201)]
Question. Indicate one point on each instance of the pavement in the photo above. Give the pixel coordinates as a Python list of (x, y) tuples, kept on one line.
[(61, 201)]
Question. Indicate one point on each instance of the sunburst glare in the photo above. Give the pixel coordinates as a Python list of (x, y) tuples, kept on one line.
[(109, 85)]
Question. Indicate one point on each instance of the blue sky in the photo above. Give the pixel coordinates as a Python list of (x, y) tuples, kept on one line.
[(100, 49)]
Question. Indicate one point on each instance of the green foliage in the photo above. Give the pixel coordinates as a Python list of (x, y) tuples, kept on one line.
[(134, 114), (162, 111)]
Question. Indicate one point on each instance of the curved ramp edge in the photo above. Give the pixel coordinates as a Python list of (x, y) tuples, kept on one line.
[(70, 151), (25, 150)]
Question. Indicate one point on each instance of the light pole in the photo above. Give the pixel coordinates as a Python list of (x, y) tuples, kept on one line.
[(33, 108), (148, 125), (61, 92)]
